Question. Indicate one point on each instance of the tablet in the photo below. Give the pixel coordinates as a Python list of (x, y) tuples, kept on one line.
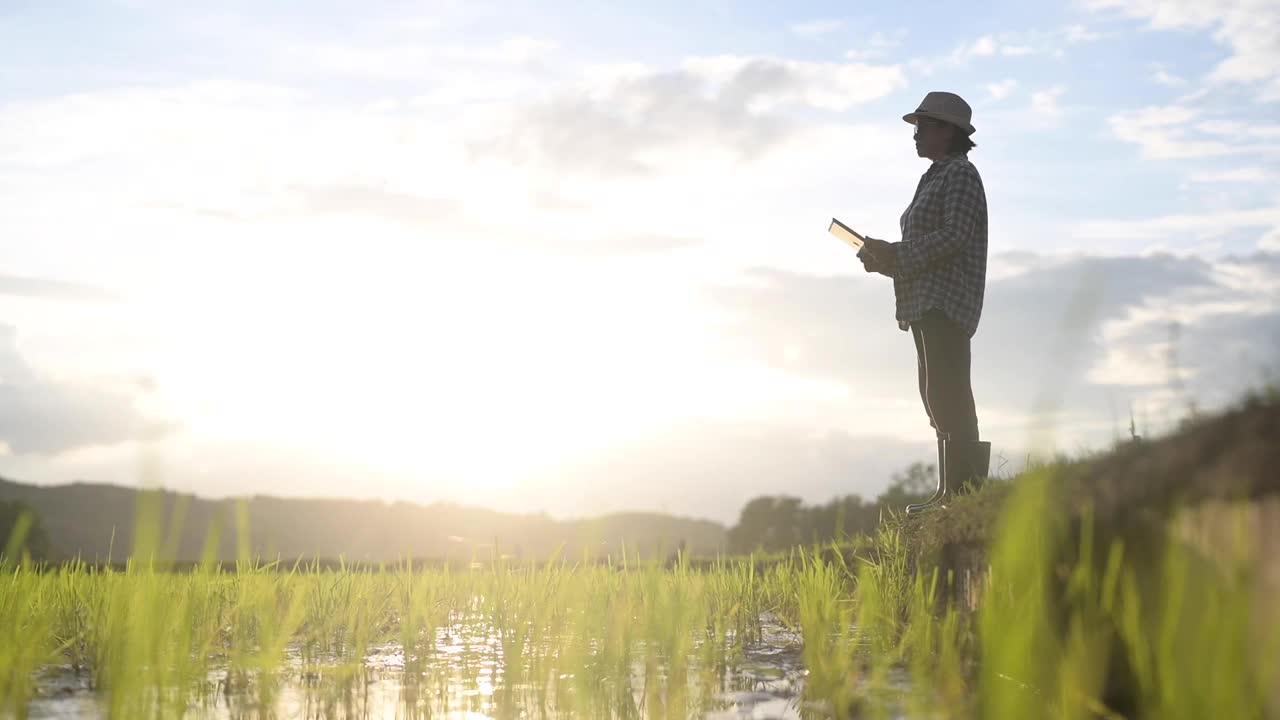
[(845, 233)]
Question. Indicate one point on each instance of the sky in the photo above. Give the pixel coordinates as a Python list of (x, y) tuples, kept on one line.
[(572, 258)]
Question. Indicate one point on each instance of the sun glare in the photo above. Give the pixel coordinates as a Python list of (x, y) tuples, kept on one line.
[(473, 367)]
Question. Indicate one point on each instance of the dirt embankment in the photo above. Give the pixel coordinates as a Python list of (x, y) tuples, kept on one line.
[(1204, 500), (1216, 469)]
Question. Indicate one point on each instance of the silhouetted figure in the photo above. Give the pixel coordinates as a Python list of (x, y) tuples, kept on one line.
[(939, 272)]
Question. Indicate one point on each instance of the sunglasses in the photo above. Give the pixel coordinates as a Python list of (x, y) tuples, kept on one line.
[(923, 122)]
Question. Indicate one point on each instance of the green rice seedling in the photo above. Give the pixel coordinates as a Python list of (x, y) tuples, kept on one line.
[(1133, 622), (826, 624), (1075, 621), (886, 589), (26, 639), (1019, 645), (1189, 628), (935, 646)]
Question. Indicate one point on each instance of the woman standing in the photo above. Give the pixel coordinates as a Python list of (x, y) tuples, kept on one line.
[(939, 272)]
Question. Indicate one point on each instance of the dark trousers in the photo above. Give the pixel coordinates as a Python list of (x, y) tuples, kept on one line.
[(942, 356)]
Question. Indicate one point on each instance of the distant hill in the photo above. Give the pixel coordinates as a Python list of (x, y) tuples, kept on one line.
[(90, 521)]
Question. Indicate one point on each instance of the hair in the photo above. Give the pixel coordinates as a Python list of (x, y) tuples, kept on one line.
[(960, 142)]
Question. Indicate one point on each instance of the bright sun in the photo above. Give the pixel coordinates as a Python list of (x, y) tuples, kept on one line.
[(477, 368)]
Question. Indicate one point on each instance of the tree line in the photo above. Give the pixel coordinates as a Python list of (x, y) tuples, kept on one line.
[(778, 522), (768, 523)]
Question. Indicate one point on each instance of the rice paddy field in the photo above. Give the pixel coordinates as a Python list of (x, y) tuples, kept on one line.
[(1068, 626)]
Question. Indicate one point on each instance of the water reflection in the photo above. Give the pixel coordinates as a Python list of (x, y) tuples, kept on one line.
[(472, 671)]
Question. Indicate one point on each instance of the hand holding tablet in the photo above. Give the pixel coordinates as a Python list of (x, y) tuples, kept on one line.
[(876, 255), (845, 233)]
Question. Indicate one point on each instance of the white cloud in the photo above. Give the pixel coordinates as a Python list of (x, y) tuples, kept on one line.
[(984, 46), (1091, 327), (398, 61), (1249, 28), (1075, 34), (250, 144), (765, 83), (1237, 175), (708, 112), (1184, 338), (1044, 104), (59, 290), (520, 50), (1006, 44), (1158, 131), (41, 415), (1185, 230), (877, 46), (1163, 77), (1235, 129), (1166, 133), (275, 155), (1271, 241), (170, 170), (1003, 89), (817, 27)]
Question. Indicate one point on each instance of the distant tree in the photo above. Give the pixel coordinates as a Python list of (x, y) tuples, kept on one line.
[(914, 484), (788, 525), (753, 524), (767, 523), (855, 516), (919, 479), (33, 538), (842, 517), (773, 523)]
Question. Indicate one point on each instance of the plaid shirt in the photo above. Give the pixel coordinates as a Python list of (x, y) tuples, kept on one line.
[(942, 259)]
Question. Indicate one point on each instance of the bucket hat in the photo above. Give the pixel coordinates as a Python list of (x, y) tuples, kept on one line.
[(944, 106)]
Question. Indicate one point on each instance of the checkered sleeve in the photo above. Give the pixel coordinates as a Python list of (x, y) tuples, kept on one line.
[(963, 200)]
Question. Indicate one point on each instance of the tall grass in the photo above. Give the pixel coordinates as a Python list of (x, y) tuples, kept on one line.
[(1074, 623), (1133, 621)]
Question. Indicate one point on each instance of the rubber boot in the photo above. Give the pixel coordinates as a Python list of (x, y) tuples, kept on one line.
[(970, 461), (940, 493)]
